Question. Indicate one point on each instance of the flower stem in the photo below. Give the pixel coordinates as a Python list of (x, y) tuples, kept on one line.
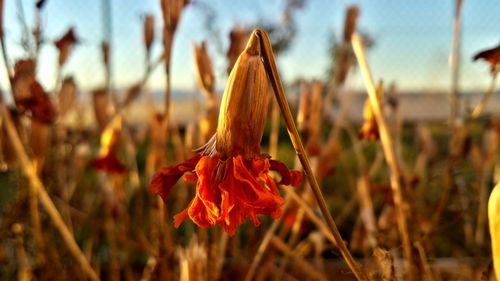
[(279, 92)]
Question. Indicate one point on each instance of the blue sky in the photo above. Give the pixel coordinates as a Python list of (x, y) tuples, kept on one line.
[(412, 39)]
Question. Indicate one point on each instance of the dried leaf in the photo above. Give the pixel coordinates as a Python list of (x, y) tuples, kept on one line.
[(65, 45)]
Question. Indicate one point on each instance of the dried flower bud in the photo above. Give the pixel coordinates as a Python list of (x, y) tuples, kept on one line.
[(101, 103), (67, 95), (244, 105), (172, 10), (149, 31), (204, 73), (238, 37), (492, 56), (65, 45)]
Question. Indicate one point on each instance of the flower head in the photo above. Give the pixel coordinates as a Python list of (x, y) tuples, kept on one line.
[(232, 177), (65, 45)]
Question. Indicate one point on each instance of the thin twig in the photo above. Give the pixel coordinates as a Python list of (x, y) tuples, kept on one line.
[(388, 147), (279, 92)]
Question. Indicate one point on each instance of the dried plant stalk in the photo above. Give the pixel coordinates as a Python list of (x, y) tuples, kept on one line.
[(279, 92), (299, 261), (388, 147)]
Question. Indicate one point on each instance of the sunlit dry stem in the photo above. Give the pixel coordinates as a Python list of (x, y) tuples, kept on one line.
[(279, 92), (388, 148)]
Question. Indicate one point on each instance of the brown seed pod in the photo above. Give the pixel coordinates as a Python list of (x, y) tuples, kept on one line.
[(172, 10), (67, 95), (244, 105), (149, 31), (101, 103), (238, 38), (204, 73)]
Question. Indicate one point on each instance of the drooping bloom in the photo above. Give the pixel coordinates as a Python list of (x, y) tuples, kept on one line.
[(232, 177)]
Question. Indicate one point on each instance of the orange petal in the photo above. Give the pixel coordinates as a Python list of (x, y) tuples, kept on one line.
[(288, 177), (162, 181)]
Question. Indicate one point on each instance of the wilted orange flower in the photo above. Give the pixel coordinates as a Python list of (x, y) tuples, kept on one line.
[(369, 130), (232, 177)]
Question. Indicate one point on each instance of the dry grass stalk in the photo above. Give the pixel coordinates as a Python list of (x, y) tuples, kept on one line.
[(298, 260), (426, 268), (367, 214), (279, 92), (385, 262), (489, 155), (193, 262), (30, 172), (24, 271), (484, 99), (263, 246), (387, 145)]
